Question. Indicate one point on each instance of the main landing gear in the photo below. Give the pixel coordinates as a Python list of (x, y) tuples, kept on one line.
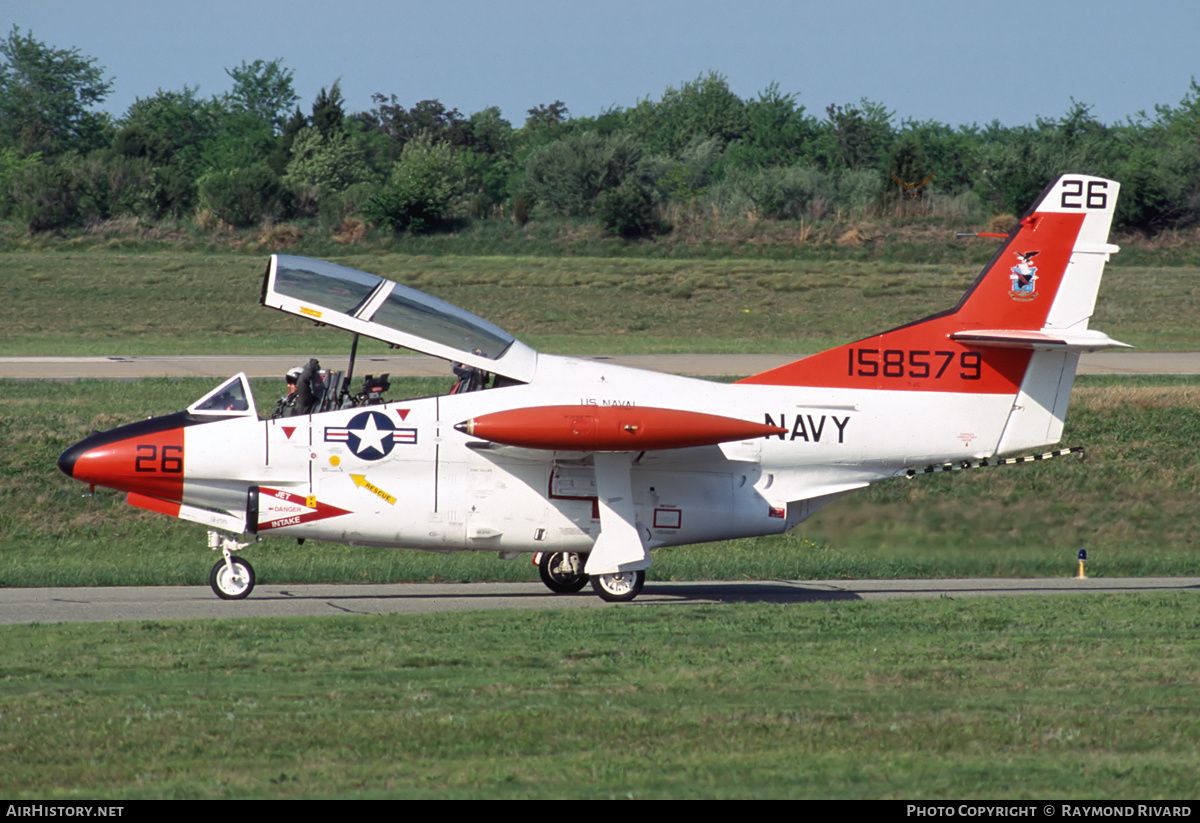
[(232, 578), (562, 572), (620, 587)]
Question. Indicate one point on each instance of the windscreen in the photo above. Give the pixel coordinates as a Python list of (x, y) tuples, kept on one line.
[(232, 399)]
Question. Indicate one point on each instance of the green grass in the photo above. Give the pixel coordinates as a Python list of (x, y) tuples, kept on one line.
[(1131, 504), (1088, 697), (1044, 698), (101, 302)]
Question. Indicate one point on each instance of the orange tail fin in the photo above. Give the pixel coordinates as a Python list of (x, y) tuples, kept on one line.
[(1037, 293)]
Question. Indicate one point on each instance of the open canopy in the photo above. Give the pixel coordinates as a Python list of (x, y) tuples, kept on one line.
[(375, 307)]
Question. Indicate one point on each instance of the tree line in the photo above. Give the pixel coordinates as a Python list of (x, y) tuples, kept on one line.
[(254, 154)]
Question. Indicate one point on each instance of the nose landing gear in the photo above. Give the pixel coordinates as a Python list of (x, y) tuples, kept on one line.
[(232, 578)]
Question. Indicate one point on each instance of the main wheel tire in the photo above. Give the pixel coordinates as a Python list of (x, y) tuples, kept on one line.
[(235, 586), (557, 574), (620, 587)]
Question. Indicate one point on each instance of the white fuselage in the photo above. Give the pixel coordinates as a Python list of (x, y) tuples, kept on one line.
[(422, 484)]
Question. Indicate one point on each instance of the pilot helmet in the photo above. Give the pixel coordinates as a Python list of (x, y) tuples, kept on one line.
[(293, 375)]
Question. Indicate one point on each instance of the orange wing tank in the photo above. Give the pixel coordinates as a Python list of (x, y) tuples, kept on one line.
[(610, 428)]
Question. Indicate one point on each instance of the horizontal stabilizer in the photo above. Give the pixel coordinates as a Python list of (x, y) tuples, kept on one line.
[(1048, 339)]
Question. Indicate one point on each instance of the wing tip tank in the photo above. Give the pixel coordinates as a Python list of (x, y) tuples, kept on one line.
[(611, 428)]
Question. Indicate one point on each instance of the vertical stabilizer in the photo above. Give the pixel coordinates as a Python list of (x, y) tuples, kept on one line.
[(1036, 294)]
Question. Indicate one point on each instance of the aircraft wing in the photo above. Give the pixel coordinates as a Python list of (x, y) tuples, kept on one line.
[(376, 307)]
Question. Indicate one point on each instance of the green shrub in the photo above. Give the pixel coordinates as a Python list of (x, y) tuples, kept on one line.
[(789, 192), (14, 172), (44, 197), (565, 177), (327, 164), (243, 196), (336, 206), (523, 204), (702, 109), (628, 211), (420, 188)]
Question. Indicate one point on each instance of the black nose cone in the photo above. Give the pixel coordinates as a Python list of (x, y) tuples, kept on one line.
[(67, 460)]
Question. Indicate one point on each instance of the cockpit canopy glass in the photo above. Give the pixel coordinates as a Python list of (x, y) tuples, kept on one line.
[(379, 301), (408, 310), (324, 284)]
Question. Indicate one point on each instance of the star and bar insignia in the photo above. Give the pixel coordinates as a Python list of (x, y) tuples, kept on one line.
[(370, 435)]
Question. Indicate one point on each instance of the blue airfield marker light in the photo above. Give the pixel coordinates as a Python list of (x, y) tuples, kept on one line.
[(1082, 560)]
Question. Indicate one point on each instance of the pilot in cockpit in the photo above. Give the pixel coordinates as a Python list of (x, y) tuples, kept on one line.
[(305, 388), (469, 377)]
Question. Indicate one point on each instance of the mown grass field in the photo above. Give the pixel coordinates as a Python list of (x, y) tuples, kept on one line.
[(1085, 697), (188, 303)]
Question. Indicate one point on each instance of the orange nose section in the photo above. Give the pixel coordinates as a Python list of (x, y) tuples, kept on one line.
[(145, 457)]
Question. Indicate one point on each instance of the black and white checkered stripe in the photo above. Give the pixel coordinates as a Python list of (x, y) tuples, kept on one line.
[(978, 464)]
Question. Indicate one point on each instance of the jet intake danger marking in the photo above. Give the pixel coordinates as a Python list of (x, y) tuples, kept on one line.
[(811, 428), (370, 435), (362, 482), (278, 508)]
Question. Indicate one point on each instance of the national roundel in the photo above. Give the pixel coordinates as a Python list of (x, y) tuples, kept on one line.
[(370, 435)]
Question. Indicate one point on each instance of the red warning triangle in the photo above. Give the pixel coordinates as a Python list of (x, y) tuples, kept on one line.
[(279, 508)]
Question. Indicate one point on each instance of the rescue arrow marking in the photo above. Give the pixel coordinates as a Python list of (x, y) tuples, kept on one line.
[(362, 482)]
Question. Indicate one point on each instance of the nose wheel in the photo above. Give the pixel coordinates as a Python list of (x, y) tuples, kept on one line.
[(232, 579)]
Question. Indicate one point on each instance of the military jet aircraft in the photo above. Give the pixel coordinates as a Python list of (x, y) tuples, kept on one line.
[(591, 465)]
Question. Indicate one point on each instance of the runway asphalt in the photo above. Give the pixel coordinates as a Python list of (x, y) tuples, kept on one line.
[(415, 365), (76, 605)]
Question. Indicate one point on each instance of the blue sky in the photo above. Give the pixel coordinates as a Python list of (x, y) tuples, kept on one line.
[(954, 62)]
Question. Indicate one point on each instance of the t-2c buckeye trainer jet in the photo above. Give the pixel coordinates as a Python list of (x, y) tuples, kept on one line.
[(591, 465)]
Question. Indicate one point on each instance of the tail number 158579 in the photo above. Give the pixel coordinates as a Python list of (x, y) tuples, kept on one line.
[(913, 363)]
